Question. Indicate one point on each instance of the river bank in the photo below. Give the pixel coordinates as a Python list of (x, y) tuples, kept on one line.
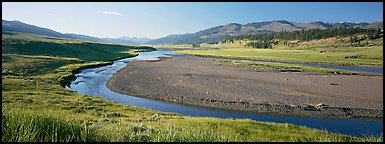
[(208, 83)]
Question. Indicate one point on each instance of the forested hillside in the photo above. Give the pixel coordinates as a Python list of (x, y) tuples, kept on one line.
[(268, 39)]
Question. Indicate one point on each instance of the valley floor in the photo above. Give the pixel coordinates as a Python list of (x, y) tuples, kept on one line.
[(210, 83)]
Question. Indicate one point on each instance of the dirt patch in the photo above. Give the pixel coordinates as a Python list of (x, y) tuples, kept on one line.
[(209, 83)]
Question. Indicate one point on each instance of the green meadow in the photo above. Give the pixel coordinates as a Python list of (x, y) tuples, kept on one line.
[(37, 108), (367, 56), (329, 51)]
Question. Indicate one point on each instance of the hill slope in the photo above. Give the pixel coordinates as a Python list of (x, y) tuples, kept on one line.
[(169, 39), (218, 33), (121, 40), (17, 26), (30, 44), (136, 39), (85, 37)]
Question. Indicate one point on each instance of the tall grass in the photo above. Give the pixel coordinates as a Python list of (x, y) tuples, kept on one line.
[(198, 134), (34, 127), (31, 126)]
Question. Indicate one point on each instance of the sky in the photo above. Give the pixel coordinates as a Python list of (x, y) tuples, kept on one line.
[(155, 20)]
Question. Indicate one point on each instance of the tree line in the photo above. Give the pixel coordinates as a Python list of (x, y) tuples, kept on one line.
[(265, 40)]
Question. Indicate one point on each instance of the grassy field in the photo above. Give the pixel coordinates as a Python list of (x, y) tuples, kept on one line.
[(36, 107), (331, 51), (366, 56)]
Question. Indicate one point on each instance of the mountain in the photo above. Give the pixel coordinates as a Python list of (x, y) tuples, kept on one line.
[(85, 37), (375, 25), (218, 33), (121, 40), (211, 35), (17, 26), (349, 24), (170, 39), (118, 41), (136, 39)]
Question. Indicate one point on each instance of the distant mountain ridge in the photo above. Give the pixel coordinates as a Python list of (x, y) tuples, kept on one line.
[(218, 33), (17, 26), (121, 40), (85, 37), (136, 39), (210, 35), (170, 39)]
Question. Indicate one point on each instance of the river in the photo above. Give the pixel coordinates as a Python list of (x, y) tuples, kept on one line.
[(93, 82)]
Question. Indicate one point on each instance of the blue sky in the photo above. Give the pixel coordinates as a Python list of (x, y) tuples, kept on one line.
[(154, 20)]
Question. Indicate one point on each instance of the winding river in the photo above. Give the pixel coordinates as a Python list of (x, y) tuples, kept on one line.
[(93, 82)]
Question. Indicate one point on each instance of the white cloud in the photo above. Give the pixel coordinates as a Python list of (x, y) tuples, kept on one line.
[(112, 13)]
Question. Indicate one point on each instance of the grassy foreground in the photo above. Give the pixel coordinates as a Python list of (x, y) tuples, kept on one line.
[(35, 107)]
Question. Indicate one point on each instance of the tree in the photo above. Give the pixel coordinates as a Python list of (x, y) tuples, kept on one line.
[(256, 45), (195, 45)]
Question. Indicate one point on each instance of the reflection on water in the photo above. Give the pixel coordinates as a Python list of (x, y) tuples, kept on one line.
[(93, 82)]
